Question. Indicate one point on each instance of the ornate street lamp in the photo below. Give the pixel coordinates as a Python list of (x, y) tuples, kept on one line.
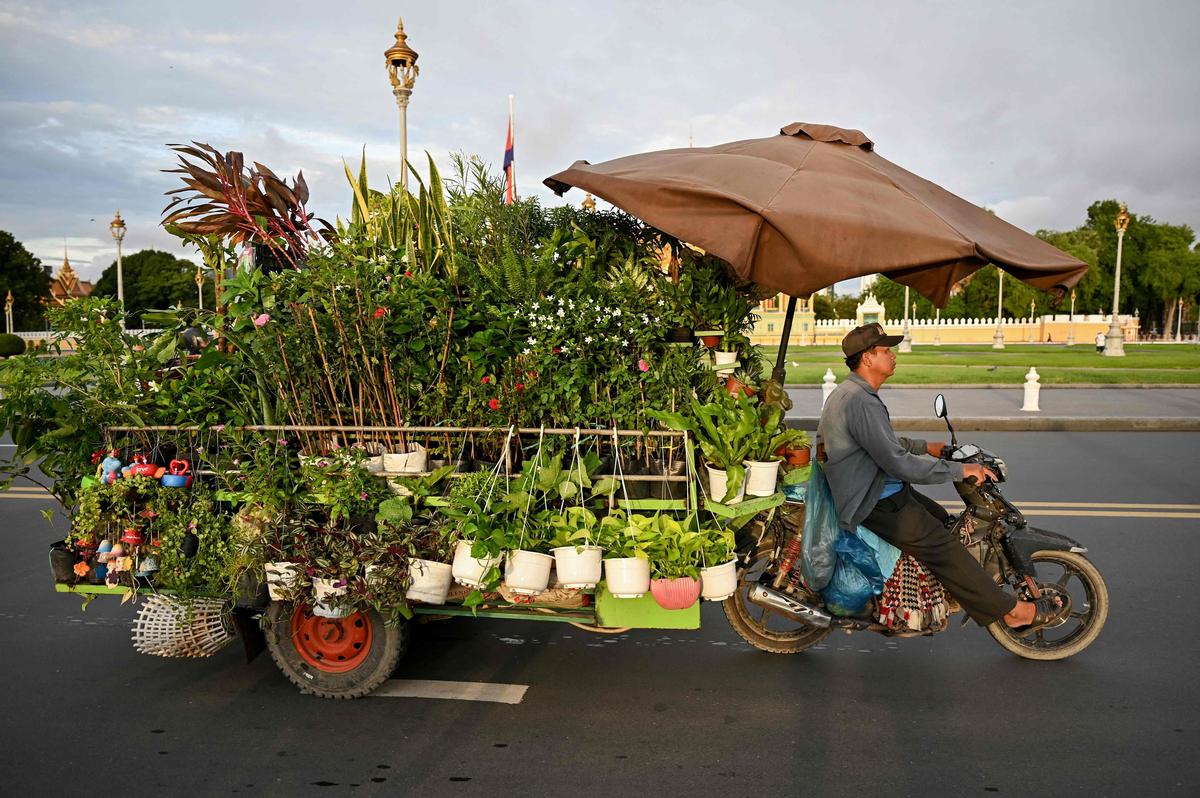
[(200, 288), (1178, 319), (1031, 336), (1114, 343), (402, 71), (906, 344), (117, 228), (8, 322), (1071, 322), (589, 202), (998, 338)]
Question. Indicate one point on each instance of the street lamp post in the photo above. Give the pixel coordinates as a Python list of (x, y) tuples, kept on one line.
[(199, 288), (998, 338), (906, 343), (1071, 321), (1178, 320), (402, 71), (117, 227), (1031, 335), (8, 322), (1114, 342)]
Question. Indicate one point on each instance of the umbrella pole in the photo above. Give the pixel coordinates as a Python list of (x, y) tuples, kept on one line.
[(779, 371)]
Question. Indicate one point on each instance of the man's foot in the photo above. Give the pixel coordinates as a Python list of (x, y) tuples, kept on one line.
[(1030, 615)]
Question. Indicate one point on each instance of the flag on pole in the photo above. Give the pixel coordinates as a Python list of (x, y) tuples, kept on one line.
[(510, 167)]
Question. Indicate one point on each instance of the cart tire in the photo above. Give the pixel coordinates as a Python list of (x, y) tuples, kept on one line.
[(344, 658)]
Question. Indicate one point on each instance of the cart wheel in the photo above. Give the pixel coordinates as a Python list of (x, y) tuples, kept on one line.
[(333, 657)]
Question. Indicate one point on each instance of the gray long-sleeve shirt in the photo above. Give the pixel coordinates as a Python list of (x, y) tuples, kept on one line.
[(863, 450)]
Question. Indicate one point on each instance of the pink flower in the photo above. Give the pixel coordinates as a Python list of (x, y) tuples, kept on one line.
[(379, 313), (494, 404), (261, 319), (407, 273), (643, 365), (520, 386), (363, 495), (486, 379)]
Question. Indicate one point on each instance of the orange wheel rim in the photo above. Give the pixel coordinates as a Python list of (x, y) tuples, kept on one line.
[(332, 645)]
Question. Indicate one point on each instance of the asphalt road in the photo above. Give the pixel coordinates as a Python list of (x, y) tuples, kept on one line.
[(695, 713)]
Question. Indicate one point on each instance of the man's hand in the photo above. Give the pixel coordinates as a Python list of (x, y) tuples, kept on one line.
[(935, 449), (978, 472)]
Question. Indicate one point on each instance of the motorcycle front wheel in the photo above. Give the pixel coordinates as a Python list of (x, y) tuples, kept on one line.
[(1074, 579), (765, 629)]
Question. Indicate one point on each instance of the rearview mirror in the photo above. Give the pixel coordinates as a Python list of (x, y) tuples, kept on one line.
[(939, 406)]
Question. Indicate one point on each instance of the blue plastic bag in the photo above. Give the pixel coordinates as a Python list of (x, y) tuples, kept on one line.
[(856, 577), (821, 531)]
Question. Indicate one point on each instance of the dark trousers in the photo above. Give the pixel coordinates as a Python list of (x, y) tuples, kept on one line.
[(913, 523)]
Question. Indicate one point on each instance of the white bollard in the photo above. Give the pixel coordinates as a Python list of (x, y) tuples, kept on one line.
[(827, 386), (1032, 389)]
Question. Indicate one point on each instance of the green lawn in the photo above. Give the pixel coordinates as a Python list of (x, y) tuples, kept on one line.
[(1057, 365)]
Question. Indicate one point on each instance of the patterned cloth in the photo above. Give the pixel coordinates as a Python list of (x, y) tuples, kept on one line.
[(913, 598)]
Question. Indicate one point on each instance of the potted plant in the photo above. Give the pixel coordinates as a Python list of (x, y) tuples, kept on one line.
[(624, 538), (766, 438), (577, 558), (409, 532), (674, 551), (718, 579), (722, 429)]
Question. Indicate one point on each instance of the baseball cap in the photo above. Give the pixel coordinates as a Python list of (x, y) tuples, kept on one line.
[(860, 339)]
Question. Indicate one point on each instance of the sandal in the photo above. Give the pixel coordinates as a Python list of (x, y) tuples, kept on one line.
[(1046, 612)]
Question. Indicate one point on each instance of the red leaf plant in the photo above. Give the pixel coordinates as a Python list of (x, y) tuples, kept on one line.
[(246, 205)]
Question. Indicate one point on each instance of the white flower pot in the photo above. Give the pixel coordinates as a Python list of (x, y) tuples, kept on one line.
[(719, 582), (430, 581), (718, 484), (627, 577), (578, 567), (724, 359), (323, 591), (467, 570), (413, 462), (761, 477), (374, 465), (282, 578), (527, 572)]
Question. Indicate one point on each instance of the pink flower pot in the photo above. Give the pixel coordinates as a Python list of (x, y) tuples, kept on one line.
[(675, 594)]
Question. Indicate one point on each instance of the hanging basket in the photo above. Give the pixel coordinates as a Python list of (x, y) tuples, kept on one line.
[(172, 627)]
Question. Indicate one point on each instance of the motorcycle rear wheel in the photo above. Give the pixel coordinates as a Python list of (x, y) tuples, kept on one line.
[(1077, 578), (766, 630)]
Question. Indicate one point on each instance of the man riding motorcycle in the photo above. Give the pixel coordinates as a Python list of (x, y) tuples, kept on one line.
[(871, 472)]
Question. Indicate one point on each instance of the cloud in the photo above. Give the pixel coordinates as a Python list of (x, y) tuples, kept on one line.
[(1032, 109)]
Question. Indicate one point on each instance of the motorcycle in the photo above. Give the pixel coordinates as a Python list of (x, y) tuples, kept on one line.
[(775, 611)]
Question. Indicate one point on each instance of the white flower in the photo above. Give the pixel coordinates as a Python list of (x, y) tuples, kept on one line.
[(532, 341), (617, 312), (526, 351), (587, 339), (561, 313), (153, 386), (624, 342)]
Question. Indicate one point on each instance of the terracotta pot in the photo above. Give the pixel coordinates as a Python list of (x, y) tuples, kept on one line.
[(675, 594), (736, 387), (795, 456)]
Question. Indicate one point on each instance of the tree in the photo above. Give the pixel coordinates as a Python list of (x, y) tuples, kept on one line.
[(22, 273), (842, 307), (154, 280)]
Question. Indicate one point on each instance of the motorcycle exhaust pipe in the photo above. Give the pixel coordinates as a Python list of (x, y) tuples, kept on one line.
[(764, 596)]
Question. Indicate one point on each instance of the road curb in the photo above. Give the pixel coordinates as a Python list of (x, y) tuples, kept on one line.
[(1032, 424)]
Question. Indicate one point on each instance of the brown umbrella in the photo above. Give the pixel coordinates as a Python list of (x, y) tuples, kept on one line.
[(814, 205)]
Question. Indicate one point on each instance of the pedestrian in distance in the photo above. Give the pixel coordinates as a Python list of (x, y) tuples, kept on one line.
[(1100, 341), (871, 472)]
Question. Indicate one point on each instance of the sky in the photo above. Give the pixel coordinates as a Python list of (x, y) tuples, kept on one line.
[(1032, 109)]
